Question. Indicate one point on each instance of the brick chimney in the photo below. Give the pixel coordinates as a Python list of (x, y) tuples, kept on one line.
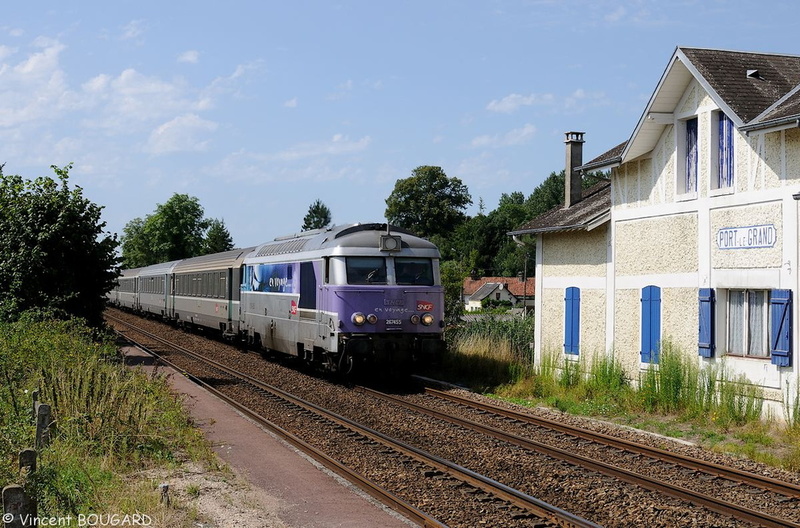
[(572, 178)]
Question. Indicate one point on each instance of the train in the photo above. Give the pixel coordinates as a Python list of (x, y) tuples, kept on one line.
[(348, 298)]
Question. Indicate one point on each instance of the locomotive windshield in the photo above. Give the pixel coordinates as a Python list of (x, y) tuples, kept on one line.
[(366, 270), (406, 271), (416, 271)]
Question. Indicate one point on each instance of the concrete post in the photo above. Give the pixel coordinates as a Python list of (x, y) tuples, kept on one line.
[(43, 422), (17, 505)]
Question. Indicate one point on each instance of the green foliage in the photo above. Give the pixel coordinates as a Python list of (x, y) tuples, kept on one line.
[(318, 216), (54, 253), (494, 304), (428, 202), (452, 276), (217, 238), (109, 419), (176, 230)]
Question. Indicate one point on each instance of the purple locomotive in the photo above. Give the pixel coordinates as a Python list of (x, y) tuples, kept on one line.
[(348, 298)]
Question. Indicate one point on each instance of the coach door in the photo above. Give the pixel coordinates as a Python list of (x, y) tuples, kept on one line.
[(323, 304)]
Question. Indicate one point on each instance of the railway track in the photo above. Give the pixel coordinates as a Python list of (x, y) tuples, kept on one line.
[(734, 477), (619, 500), (521, 506)]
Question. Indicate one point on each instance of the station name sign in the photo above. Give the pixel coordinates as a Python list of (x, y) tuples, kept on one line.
[(758, 236)]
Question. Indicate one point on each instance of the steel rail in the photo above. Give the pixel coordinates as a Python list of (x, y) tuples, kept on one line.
[(516, 497), (693, 497), (778, 486), (361, 482)]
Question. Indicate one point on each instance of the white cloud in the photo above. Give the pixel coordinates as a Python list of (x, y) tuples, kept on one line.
[(34, 89), (132, 30), (305, 161), (517, 136), (6, 51), (291, 103), (229, 84), (190, 56), (341, 91), (338, 144), (182, 134), (616, 15), (512, 103)]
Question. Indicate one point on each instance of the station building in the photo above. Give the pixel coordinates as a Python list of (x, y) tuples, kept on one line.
[(694, 238)]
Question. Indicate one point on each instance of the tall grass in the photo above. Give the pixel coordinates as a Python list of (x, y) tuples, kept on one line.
[(678, 385), (493, 356), (109, 419), (491, 350)]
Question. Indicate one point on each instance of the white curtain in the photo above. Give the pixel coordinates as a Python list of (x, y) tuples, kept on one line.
[(736, 322), (757, 323)]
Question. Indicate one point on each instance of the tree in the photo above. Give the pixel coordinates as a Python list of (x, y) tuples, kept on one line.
[(54, 252), (428, 202), (453, 282), (318, 216), (174, 231), (217, 239), (136, 250)]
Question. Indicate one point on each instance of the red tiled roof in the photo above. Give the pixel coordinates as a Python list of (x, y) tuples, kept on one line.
[(514, 285)]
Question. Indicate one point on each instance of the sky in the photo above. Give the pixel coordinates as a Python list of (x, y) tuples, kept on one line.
[(259, 108)]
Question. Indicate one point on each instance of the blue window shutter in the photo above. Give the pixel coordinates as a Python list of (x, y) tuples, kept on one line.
[(651, 323), (572, 320), (705, 339), (780, 336)]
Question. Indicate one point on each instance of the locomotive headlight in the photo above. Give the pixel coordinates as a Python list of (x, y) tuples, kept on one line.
[(358, 318), (372, 318), (427, 319), (415, 319)]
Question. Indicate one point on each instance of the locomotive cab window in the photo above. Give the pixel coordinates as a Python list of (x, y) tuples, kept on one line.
[(366, 270), (413, 271)]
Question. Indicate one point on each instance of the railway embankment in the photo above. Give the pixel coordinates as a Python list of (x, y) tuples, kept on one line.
[(114, 436)]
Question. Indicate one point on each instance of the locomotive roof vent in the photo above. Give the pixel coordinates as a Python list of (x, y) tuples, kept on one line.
[(390, 243)]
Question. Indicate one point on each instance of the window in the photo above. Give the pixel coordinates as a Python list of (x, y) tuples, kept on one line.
[(748, 323), (651, 324), (572, 321), (690, 157), (308, 286), (724, 166), (366, 270), (760, 324), (414, 271)]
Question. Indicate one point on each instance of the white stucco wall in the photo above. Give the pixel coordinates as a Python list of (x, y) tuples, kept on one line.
[(665, 244), (576, 253)]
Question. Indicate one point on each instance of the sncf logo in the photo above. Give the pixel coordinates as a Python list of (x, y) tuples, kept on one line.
[(424, 306)]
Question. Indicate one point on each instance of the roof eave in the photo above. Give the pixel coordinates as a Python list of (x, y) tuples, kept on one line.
[(773, 125), (589, 225), (600, 165)]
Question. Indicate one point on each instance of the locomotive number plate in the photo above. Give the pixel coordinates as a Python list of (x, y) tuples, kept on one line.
[(394, 322)]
